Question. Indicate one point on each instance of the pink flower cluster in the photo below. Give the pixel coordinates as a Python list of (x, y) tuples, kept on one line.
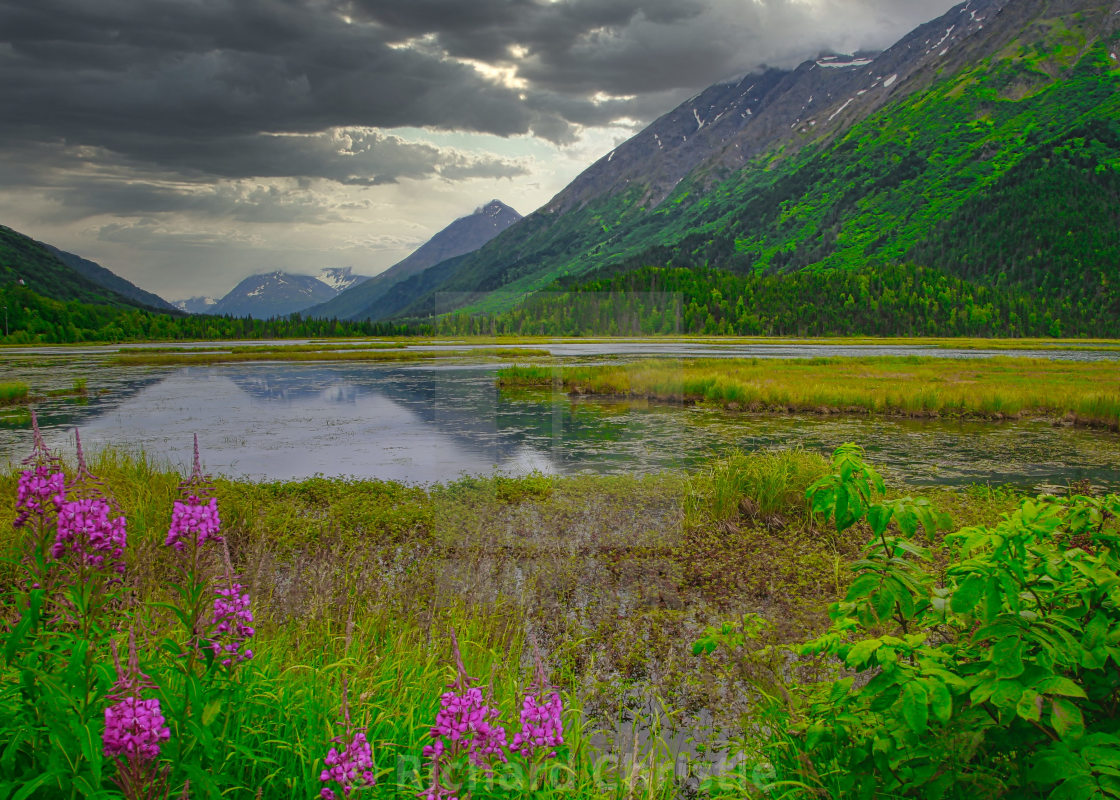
[(38, 488), (194, 518), (134, 729), (85, 529), (231, 623), (134, 726), (466, 722), (352, 768), (541, 725)]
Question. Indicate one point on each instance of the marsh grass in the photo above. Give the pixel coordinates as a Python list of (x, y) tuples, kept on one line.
[(512, 352), (993, 388), (12, 392), (15, 417), (369, 354), (613, 576)]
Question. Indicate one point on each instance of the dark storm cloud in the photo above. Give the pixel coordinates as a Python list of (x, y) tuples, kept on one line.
[(83, 181), (211, 90)]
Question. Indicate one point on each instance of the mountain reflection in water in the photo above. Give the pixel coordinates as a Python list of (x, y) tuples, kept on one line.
[(431, 422)]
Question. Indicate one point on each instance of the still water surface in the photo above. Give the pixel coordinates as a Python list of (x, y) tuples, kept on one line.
[(433, 422)]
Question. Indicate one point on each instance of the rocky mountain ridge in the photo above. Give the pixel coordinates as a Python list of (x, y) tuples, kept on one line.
[(733, 178), (275, 294), (462, 236)]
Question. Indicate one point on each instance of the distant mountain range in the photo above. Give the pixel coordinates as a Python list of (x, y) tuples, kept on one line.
[(61, 275), (984, 144), (373, 299), (197, 305), (965, 181), (276, 294)]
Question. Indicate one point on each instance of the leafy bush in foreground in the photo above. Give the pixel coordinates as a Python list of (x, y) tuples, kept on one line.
[(993, 671)]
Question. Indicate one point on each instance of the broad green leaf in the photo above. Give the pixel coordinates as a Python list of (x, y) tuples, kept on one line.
[(879, 516), (1056, 765), (27, 622), (1007, 657), (941, 701), (967, 594), (1104, 755), (1007, 694), (1029, 706), (823, 500), (861, 652), (211, 711), (1066, 719), (862, 586), (915, 706), (1059, 684)]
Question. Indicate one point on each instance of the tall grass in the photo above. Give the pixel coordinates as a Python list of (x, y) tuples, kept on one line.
[(268, 354), (1085, 392), (756, 484), (13, 392), (612, 576)]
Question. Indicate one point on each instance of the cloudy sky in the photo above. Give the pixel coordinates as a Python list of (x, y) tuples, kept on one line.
[(186, 144)]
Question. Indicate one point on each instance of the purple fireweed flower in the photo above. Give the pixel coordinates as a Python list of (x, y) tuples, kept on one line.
[(42, 485), (41, 490), (86, 531), (230, 623), (465, 723), (541, 724), (134, 729), (134, 726), (542, 713), (195, 518), (351, 768), (465, 720)]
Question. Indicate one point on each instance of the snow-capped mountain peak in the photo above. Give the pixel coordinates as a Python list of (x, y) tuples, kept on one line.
[(340, 278)]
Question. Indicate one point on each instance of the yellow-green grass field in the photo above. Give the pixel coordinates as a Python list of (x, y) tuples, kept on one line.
[(355, 352), (1086, 393)]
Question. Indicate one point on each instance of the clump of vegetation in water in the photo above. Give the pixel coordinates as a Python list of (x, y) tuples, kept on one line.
[(995, 388), (13, 392)]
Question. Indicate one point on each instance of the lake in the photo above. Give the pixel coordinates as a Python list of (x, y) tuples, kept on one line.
[(436, 421)]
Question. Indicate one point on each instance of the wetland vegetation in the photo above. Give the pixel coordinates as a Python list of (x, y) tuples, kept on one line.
[(670, 613), (992, 388), (762, 624)]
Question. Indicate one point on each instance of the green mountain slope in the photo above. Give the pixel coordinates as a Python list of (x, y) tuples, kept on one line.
[(889, 300), (24, 259), (1002, 168), (110, 280)]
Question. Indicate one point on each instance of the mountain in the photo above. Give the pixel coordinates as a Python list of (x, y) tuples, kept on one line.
[(196, 305), (851, 163), (35, 265), (464, 235), (340, 278), (103, 277), (277, 294)]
